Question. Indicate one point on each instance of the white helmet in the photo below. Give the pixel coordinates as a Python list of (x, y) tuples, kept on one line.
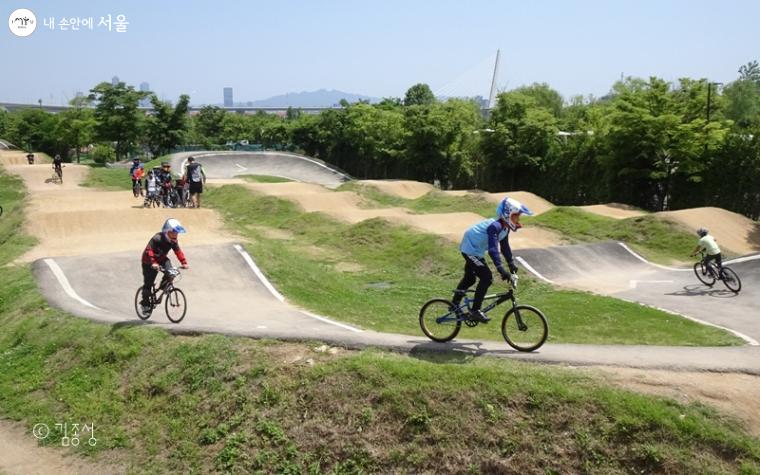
[(510, 209), (172, 224)]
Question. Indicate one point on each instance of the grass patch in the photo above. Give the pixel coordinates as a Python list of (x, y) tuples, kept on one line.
[(658, 239), (115, 178), (264, 178), (399, 269), (432, 202), (12, 199), (213, 403)]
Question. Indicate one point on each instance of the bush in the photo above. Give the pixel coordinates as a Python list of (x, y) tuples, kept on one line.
[(103, 153)]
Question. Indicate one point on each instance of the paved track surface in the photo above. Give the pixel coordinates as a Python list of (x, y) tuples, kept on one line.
[(612, 269), (226, 296)]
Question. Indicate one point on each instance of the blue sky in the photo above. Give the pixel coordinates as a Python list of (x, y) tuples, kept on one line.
[(376, 48)]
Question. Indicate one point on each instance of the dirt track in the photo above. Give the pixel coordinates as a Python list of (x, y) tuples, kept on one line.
[(70, 220)]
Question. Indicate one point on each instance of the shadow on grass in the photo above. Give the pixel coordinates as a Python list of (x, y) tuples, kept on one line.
[(118, 326), (455, 352)]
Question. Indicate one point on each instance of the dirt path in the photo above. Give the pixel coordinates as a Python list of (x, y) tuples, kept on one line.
[(346, 206), (736, 394), (20, 454), (70, 220)]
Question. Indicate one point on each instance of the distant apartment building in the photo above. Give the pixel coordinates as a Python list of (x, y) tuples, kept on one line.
[(228, 97), (145, 87), (115, 80)]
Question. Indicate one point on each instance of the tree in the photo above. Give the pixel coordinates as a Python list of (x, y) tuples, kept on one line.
[(544, 96), (118, 118), (743, 106), (5, 123), (522, 135), (418, 95), (77, 125), (35, 129), (209, 124), (166, 125), (438, 138), (656, 138), (750, 72)]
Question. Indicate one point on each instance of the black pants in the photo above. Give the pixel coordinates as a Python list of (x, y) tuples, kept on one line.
[(474, 268), (149, 277), (714, 257)]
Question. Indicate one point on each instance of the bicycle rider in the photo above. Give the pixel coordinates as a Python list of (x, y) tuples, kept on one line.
[(490, 234), (711, 248), (156, 254), (57, 165), (30, 158), (136, 173), (165, 181)]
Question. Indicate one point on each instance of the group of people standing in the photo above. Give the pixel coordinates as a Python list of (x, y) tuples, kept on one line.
[(160, 182)]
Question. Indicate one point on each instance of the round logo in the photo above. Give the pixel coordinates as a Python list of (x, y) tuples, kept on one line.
[(22, 22)]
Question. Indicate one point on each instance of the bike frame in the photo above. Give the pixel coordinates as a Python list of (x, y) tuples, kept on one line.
[(500, 298), (158, 292), (711, 267)]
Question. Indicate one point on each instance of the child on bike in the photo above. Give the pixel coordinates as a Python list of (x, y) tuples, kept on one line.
[(58, 166), (707, 243), (490, 235), (156, 254), (165, 183), (136, 172), (151, 187)]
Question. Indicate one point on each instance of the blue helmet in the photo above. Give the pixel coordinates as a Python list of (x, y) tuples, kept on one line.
[(510, 210), (172, 224)]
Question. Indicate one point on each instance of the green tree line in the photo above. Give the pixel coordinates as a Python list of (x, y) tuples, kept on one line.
[(648, 143)]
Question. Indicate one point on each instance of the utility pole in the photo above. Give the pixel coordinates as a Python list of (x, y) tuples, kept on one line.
[(492, 97)]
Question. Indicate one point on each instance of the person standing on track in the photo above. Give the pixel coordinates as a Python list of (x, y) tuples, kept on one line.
[(491, 235), (196, 177), (156, 254)]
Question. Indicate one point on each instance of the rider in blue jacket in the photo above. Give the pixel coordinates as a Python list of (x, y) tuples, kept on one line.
[(490, 235)]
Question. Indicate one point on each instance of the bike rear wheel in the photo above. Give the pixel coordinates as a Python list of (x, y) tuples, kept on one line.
[(529, 333), (703, 274), (138, 307), (438, 321), (176, 305), (731, 280)]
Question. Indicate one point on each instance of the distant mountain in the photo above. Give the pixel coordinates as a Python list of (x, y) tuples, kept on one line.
[(320, 98)]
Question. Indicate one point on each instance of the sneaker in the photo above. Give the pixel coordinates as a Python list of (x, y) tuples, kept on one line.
[(478, 316)]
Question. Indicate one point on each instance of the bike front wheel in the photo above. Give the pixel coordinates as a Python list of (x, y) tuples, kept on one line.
[(176, 305), (438, 320), (524, 328), (703, 274), (731, 280), (138, 307)]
